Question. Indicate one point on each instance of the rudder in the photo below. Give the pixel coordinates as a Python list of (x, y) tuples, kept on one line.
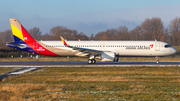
[(19, 32), (16, 30)]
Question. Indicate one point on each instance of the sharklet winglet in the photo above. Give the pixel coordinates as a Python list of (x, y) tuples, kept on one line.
[(64, 42)]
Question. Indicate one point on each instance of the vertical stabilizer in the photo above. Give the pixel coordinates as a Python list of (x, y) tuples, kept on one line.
[(19, 32), (24, 41)]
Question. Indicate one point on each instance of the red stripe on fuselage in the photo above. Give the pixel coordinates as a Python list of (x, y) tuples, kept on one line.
[(35, 45)]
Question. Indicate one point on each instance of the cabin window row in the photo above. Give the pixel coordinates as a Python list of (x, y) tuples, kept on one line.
[(54, 46), (98, 46)]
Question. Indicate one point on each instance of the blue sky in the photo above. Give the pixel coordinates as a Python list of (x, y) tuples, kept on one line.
[(88, 16)]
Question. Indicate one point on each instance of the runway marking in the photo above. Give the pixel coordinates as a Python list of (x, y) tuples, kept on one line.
[(18, 72), (22, 71)]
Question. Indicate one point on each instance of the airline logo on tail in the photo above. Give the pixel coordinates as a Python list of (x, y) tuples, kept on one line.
[(23, 38)]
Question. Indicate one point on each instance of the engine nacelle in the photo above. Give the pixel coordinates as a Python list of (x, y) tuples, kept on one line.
[(109, 56)]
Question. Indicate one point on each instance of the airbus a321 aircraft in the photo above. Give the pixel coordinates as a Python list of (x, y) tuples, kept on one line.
[(103, 50)]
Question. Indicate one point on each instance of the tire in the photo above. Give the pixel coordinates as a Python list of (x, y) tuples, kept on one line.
[(93, 61), (157, 61), (89, 61)]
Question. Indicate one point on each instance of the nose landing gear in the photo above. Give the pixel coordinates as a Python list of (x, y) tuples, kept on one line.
[(157, 60)]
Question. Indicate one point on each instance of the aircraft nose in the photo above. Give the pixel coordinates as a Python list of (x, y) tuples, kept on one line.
[(174, 51)]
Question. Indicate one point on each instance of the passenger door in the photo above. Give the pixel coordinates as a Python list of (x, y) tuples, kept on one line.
[(157, 46)]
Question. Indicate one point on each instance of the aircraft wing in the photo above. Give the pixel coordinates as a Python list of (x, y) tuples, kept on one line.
[(82, 50)]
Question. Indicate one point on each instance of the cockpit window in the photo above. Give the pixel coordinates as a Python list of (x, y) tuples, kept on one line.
[(166, 46)]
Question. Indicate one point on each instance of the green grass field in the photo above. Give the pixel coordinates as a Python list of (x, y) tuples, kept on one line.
[(94, 83)]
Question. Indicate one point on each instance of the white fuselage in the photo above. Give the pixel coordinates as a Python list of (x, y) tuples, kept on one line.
[(121, 48)]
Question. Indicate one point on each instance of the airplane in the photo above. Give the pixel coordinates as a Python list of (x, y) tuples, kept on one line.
[(103, 50)]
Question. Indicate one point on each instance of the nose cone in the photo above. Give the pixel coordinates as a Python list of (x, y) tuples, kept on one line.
[(174, 51)]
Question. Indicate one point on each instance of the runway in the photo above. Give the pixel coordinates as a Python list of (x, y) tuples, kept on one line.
[(35, 65), (84, 64)]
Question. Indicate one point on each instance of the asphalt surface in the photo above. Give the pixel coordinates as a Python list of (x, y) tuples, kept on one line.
[(35, 65), (83, 64), (18, 72)]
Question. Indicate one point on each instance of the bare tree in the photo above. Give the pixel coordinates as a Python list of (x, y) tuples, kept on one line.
[(91, 37), (167, 36), (123, 33), (6, 36), (55, 30), (152, 29), (66, 33), (135, 34), (35, 33), (174, 31)]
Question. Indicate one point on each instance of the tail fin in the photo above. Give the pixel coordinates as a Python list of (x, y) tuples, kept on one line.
[(19, 32), (24, 41)]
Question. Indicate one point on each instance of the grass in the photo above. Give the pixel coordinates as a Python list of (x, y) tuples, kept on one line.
[(177, 47), (91, 83)]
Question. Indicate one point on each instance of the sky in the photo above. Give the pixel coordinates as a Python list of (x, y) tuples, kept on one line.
[(87, 16)]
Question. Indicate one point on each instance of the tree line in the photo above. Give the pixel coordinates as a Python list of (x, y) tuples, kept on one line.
[(149, 29)]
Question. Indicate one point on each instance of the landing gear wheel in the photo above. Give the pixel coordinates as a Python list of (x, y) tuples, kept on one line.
[(157, 61), (91, 61)]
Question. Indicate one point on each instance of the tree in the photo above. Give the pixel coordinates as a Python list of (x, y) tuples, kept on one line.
[(35, 33), (82, 36), (55, 30), (135, 34), (167, 36), (6, 36), (68, 34), (122, 33), (152, 29), (91, 37), (174, 31)]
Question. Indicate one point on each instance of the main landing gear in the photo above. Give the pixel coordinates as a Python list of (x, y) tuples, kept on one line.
[(91, 61), (157, 60)]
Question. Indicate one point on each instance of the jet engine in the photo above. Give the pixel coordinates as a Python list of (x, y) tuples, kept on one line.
[(109, 56)]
